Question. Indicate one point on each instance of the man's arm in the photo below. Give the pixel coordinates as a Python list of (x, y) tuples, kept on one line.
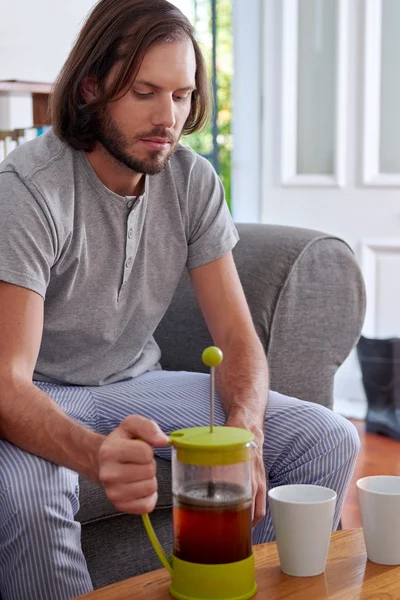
[(242, 378), (30, 419)]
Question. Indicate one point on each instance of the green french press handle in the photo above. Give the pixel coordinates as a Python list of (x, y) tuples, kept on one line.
[(154, 539), (156, 544)]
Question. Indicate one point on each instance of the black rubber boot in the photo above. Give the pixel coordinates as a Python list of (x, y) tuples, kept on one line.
[(380, 368)]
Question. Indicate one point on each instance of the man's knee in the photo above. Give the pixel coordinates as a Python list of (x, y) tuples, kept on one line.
[(348, 434), (337, 433)]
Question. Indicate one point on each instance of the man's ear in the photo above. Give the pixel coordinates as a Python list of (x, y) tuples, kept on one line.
[(89, 89)]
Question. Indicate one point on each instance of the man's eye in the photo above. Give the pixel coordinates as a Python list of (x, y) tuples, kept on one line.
[(181, 98), (139, 95)]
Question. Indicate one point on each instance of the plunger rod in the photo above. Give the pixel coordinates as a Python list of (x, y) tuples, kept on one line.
[(212, 392)]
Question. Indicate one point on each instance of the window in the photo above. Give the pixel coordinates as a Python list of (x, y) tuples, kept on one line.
[(212, 20)]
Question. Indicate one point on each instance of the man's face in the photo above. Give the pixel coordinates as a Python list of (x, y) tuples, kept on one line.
[(141, 129)]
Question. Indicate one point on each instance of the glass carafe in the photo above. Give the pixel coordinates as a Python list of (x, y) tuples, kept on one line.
[(211, 511), (212, 508)]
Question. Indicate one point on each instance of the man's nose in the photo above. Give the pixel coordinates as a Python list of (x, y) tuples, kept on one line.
[(165, 114)]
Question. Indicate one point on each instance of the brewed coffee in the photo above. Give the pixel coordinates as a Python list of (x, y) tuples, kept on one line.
[(212, 523)]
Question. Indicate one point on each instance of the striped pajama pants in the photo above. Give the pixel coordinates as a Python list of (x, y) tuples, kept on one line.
[(40, 550)]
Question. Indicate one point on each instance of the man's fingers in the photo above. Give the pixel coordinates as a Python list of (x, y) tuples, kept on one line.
[(135, 426), (127, 468), (115, 450), (125, 493), (126, 473), (139, 506), (259, 506), (259, 489)]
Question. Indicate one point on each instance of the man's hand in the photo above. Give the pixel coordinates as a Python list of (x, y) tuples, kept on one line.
[(127, 468), (259, 484)]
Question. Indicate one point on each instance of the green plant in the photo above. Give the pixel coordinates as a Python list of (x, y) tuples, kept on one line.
[(202, 142)]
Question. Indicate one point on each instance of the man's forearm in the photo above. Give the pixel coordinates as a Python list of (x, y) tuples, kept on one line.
[(242, 382), (33, 421)]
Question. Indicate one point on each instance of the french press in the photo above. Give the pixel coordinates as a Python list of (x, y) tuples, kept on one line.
[(212, 508)]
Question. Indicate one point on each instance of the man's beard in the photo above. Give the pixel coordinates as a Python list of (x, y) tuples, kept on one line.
[(115, 142)]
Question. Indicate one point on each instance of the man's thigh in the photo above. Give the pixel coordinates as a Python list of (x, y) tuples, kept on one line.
[(76, 401), (174, 399), (181, 399)]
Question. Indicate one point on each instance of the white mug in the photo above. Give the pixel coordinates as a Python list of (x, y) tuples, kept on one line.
[(302, 516), (379, 500)]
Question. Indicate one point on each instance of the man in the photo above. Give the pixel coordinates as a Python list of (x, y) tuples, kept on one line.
[(99, 217)]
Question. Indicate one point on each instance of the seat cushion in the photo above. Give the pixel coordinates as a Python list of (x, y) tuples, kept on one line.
[(94, 504)]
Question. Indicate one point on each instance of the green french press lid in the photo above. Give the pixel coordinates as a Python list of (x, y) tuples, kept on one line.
[(222, 446)]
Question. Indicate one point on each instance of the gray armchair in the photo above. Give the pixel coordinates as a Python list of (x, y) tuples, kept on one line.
[(307, 299)]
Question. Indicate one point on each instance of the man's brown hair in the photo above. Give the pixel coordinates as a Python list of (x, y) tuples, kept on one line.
[(119, 30)]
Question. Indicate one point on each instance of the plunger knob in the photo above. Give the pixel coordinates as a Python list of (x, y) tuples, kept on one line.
[(212, 356)]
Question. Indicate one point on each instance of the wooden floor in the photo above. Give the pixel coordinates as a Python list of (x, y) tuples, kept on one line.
[(379, 455)]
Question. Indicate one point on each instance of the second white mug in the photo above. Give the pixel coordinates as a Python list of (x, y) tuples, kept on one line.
[(379, 500)]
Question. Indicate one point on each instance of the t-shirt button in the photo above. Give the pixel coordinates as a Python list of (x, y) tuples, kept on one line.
[(128, 263), (130, 204), (130, 233)]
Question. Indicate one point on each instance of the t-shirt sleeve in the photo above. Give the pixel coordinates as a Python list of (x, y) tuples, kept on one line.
[(212, 232), (27, 241)]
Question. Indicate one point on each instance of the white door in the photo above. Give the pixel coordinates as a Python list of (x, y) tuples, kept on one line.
[(331, 142)]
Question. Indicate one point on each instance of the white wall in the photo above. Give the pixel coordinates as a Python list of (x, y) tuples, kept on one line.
[(37, 35)]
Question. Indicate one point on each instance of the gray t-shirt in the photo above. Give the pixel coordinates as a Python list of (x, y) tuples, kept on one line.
[(106, 265)]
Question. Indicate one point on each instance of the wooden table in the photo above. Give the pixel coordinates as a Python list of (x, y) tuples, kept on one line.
[(348, 576)]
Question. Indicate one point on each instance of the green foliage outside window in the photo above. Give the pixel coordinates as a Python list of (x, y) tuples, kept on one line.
[(202, 142)]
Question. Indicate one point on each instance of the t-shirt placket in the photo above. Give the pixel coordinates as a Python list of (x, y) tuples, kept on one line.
[(133, 232)]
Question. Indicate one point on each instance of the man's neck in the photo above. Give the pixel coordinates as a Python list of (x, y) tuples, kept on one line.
[(114, 175)]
